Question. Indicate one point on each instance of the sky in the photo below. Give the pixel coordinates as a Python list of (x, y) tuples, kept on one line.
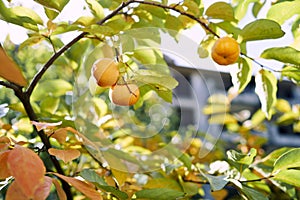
[(195, 34)]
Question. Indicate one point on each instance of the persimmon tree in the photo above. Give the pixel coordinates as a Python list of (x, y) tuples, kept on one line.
[(62, 137)]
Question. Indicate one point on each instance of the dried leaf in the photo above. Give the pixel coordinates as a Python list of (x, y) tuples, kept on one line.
[(65, 155), (81, 186), (45, 125), (27, 168), (60, 135), (60, 192), (9, 70), (4, 171)]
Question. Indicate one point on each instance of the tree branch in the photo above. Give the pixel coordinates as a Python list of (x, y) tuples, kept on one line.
[(56, 55), (204, 25)]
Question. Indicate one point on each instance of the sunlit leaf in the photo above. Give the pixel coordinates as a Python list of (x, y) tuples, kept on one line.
[(241, 161), (96, 9), (282, 54), (292, 73), (27, 168), (50, 104), (60, 192), (281, 12), (25, 21), (290, 159), (220, 10), (287, 118), (163, 183), (9, 70), (65, 155), (159, 193), (27, 12), (242, 77), (283, 106), (58, 5), (261, 29), (290, 176), (266, 89), (242, 8), (224, 118), (85, 188), (253, 194)]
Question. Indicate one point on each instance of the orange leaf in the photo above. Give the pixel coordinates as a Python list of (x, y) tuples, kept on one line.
[(43, 191), (14, 192), (45, 125), (4, 143), (64, 155), (9, 69), (27, 168), (87, 189), (4, 171), (60, 192), (60, 135)]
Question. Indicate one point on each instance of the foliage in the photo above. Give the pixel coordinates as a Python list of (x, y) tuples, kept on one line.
[(61, 137)]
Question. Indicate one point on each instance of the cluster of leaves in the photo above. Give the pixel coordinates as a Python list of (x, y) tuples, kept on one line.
[(101, 159)]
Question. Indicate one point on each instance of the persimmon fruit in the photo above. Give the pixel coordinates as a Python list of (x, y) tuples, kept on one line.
[(225, 51), (106, 72), (124, 94)]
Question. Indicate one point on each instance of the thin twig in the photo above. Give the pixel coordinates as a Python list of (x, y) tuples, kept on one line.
[(174, 8)]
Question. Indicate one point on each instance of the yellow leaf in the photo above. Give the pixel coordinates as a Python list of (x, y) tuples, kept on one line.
[(65, 155), (9, 70)]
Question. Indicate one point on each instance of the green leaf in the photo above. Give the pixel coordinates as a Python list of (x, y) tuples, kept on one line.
[(257, 7), (22, 19), (155, 78), (159, 193), (242, 77), (241, 161), (174, 24), (55, 88), (261, 29), (242, 8), (53, 4), (283, 11), (192, 7), (163, 183), (292, 73), (216, 182), (287, 118), (96, 9), (266, 89), (50, 104), (253, 194), (237, 157), (51, 14), (220, 10), (91, 176), (229, 28), (27, 12), (31, 41), (183, 157), (283, 106), (283, 54), (290, 176), (85, 20), (270, 159), (290, 159)]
